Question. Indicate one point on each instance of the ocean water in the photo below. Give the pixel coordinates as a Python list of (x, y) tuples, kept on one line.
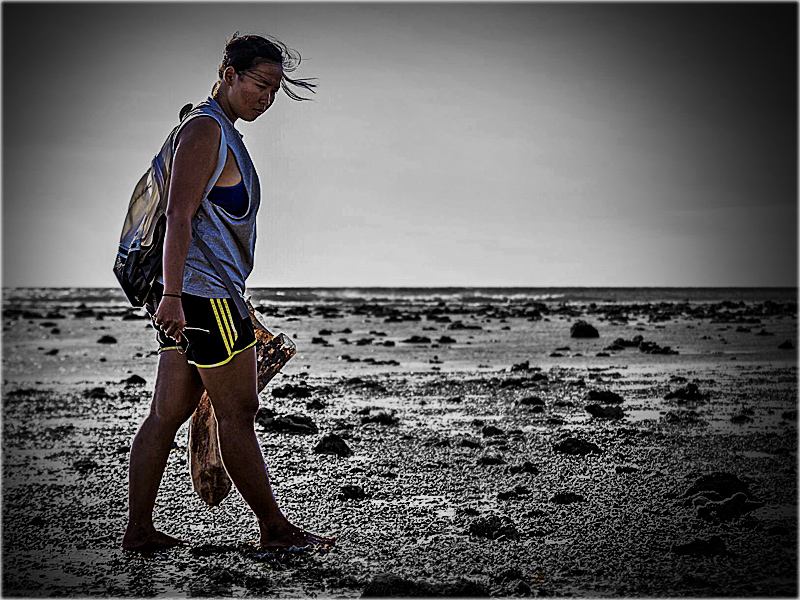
[(362, 315), (93, 297)]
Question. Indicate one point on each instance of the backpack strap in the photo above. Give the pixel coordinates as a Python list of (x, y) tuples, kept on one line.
[(237, 299)]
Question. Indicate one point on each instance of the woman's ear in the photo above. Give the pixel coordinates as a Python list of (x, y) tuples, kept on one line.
[(228, 74)]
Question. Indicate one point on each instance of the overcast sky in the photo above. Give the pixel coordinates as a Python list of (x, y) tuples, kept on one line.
[(448, 144)]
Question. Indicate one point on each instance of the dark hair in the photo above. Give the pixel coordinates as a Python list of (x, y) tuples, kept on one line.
[(245, 52)]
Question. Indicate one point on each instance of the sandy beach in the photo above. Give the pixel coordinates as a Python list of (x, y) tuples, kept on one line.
[(476, 468)]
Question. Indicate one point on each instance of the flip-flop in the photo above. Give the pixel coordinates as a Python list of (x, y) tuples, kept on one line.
[(322, 541), (288, 549), (294, 550)]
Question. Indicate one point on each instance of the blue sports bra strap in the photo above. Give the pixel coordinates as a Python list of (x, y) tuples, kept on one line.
[(237, 299)]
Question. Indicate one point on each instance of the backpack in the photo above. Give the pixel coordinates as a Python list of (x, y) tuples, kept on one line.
[(141, 243), (139, 256)]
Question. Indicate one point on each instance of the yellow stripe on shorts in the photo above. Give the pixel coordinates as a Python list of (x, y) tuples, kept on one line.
[(223, 309), (230, 320), (219, 324)]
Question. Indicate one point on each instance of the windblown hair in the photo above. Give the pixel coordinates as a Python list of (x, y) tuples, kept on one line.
[(245, 52)]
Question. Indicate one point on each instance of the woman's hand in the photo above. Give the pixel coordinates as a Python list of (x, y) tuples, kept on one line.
[(170, 318)]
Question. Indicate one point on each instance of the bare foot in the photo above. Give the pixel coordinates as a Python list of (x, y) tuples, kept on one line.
[(285, 535), (150, 542)]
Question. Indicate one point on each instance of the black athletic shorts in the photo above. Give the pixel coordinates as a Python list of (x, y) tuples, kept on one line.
[(214, 332)]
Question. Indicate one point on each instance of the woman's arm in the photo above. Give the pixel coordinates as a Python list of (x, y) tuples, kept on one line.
[(193, 165)]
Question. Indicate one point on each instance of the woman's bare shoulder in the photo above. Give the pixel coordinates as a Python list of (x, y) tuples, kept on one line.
[(201, 131)]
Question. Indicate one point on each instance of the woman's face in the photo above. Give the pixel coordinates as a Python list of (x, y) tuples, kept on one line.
[(253, 90)]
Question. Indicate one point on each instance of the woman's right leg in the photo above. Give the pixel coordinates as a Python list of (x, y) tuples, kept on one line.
[(234, 396), (177, 393)]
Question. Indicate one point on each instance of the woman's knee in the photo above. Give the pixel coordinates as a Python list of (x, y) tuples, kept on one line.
[(165, 421), (171, 415), (242, 412)]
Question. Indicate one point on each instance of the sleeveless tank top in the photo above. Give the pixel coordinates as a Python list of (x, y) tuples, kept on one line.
[(231, 238)]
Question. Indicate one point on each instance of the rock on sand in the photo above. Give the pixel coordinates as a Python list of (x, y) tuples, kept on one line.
[(333, 444), (583, 329), (573, 445)]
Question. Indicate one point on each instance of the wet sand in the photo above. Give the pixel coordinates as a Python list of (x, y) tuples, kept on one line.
[(458, 484)]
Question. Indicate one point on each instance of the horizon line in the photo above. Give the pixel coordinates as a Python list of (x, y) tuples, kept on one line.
[(448, 287)]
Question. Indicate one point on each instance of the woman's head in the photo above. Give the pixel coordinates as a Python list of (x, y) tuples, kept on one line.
[(246, 53)]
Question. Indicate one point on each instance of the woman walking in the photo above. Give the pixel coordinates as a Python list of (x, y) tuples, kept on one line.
[(204, 343)]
